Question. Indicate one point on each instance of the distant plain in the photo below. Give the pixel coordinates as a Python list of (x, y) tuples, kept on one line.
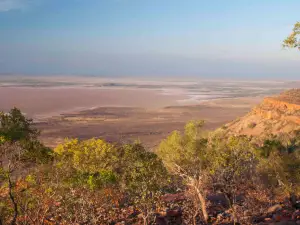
[(129, 109)]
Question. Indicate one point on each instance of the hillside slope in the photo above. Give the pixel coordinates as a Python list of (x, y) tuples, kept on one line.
[(275, 115)]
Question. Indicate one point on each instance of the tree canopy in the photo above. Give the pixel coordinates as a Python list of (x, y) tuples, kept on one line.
[(293, 40), (14, 126)]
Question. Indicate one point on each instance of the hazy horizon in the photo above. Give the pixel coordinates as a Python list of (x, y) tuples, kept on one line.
[(215, 39), (18, 77)]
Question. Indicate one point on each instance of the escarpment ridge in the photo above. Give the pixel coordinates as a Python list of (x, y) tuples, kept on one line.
[(277, 114)]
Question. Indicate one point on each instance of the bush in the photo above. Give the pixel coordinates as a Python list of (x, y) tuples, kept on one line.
[(96, 182), (280, 164), (186, 155), (233, 168), (251, 125), (135, 173)]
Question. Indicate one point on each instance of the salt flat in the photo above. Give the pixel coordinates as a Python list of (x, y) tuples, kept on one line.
[(47, 101)]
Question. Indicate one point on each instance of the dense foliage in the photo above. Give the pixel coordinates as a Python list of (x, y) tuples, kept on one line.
[(15, 128), (96, 182)]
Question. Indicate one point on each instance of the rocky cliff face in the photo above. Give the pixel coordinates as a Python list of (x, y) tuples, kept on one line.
[(278, 114)]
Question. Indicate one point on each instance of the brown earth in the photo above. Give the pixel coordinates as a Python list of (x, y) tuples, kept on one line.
[(149, 126), (44, 102), (275, 115)]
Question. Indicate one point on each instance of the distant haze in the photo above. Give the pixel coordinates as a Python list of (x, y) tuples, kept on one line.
[(210, 39)]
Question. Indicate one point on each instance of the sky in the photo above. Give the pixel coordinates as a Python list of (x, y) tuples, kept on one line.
[(203, 38)]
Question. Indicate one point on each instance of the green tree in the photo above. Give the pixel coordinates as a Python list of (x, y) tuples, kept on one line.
[(293, 40), (97, 165), (19, 145), (280, 164), (186, 155), (91, 162), (233, 168), (9, 163), (14, 126), (144, 178)]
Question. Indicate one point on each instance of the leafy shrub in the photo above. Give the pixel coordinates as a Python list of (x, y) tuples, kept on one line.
[(280, 164), (186, 155), (233, 168), (129, 169)]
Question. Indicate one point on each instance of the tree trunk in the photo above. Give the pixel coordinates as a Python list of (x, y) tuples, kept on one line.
[(145, 221), (12, 198), (195, 218), (145, 218), (232, 208), (203, 204)]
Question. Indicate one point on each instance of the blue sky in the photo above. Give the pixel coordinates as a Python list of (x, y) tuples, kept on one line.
[(215, 38)]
